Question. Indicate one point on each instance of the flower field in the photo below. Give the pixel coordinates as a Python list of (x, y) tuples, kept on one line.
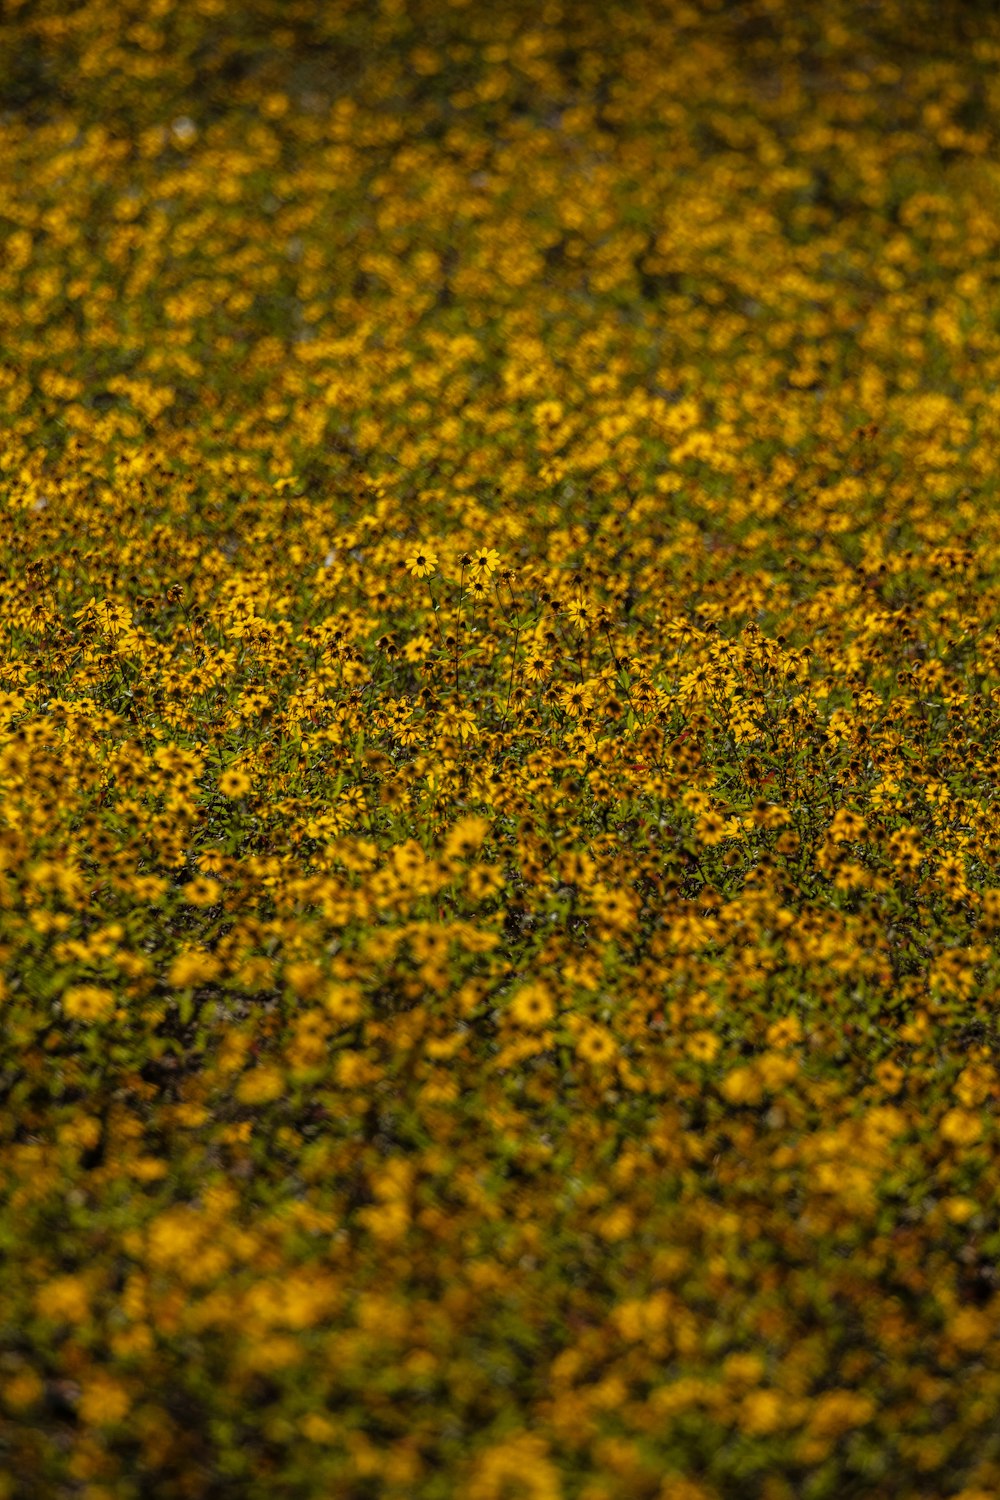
[(499, 746)]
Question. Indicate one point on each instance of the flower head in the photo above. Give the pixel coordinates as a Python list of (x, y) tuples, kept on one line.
[(485, 560), (234, 783), (422, 563), (88, 1002), (532, 1006)]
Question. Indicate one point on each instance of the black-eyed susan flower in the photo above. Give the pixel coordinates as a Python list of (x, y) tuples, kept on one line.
[(422, 563), (234, 784), (484, 561), (532, 1006), (88, 1002), (343, 1004), (202, 891), (596, 1046)]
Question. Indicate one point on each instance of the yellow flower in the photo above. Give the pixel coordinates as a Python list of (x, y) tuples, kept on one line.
[(304, 978), (519, 1466), (201, 892), (596, 1046), (972, 1328), (23, 1390), (386, 1221), (88, 1002), (277, 1351), (261, 1086), (422, 563), (256, 973), (960, 1127), (532, 1006), (578, 612), (836, 1412), (64, 1300), (317, 1428), (485, 561), (710, 829), (679, 1487), (784, 1033), (702, 1046), (466, 836), (484, 881), (463, 723), (760, 1412), (342, 1003), (103, 1402), (616, 909), (173, 1237), (742, 1086), (234, 783), (194, 967)]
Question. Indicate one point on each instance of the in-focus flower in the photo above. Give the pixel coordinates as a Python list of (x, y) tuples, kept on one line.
[(422, 563), (485, 560)]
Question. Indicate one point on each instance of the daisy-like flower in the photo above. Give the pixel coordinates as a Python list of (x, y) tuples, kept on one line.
[(343, 1004), (596, 1046), (702, 1046), (485, 560), (422, 563), (234, 783), (578, 612), (710, 829), (463, 723), (532, 1006), (574, 700), (88, 1002), (201, 892)]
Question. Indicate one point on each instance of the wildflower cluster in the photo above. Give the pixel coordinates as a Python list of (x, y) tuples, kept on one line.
[(499, 735)]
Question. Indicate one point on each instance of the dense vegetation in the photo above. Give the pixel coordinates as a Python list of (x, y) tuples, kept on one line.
[(499, 736)]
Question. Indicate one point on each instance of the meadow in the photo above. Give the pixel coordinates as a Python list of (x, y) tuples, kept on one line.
[(499, 738)]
